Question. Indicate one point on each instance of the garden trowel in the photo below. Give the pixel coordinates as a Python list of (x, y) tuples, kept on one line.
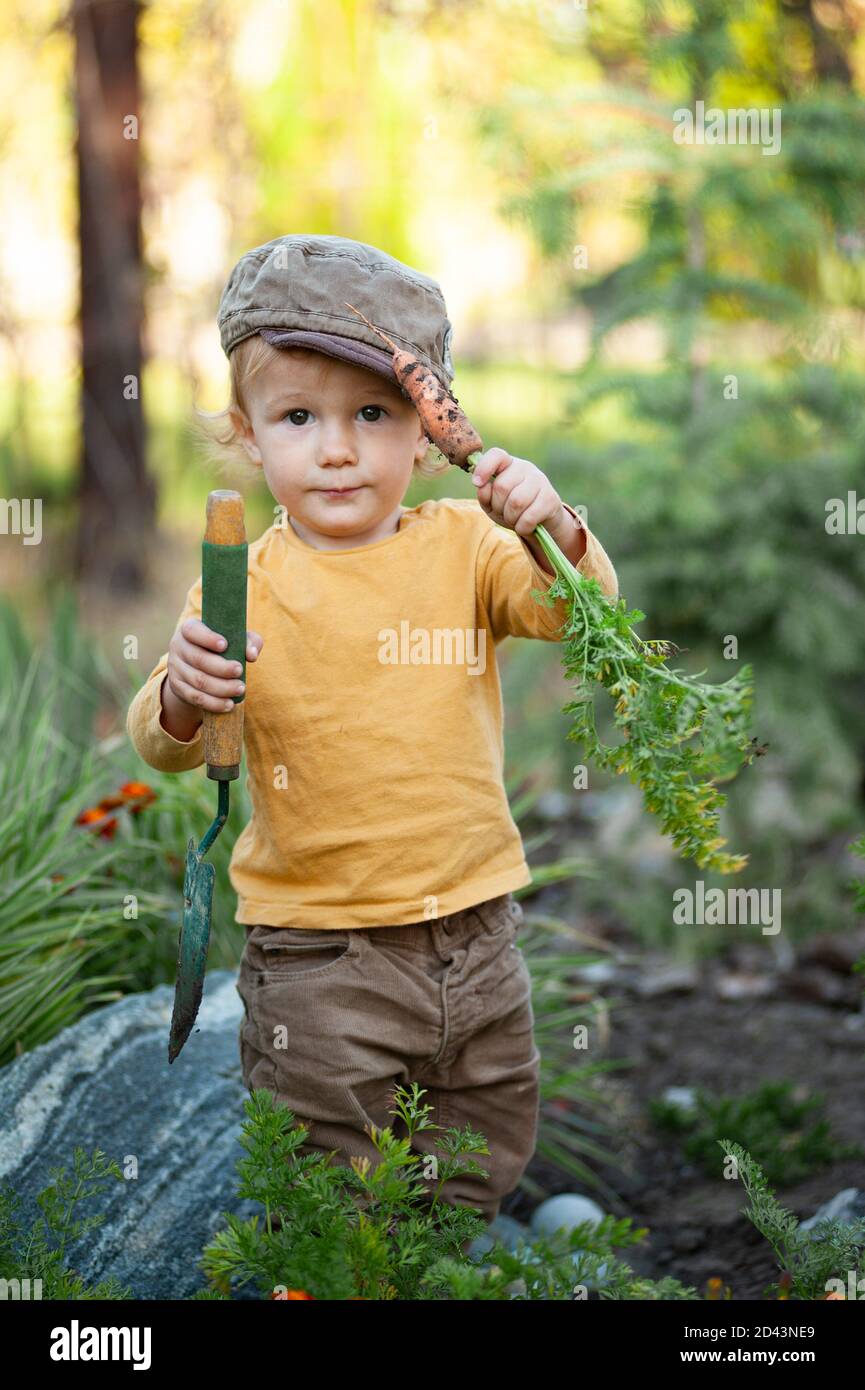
[(223, 609)]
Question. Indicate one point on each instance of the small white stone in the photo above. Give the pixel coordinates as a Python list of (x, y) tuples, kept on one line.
[(568, 1210)]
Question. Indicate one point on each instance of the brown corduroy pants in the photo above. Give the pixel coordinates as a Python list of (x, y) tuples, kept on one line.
[(334, 1020)]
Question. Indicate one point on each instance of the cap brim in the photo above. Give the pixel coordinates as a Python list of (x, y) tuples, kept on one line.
[(332, 345)]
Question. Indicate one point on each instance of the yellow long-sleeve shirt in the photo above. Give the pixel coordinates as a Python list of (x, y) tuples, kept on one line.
[(373, 723)]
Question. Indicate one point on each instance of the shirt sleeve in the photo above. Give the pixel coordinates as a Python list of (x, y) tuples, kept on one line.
[(506, 580), (158, 748)]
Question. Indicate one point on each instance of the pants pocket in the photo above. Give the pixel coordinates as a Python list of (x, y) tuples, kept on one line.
[(285, 952)]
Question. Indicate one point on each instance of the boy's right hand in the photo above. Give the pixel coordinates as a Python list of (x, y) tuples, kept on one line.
[(198, 677)]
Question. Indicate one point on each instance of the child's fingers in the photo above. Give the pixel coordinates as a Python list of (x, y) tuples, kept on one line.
[(197, 688), (489, 463), (222, 683), (509, 492), (196, 667), (520, 500), (188, 651), (201, 699), (194, 630), (536, 514), (486, 474), (198, 674)]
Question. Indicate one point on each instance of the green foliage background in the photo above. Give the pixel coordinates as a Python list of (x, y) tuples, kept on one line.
[(713, 415)]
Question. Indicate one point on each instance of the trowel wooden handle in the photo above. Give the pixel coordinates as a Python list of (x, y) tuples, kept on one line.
[(223, 609)]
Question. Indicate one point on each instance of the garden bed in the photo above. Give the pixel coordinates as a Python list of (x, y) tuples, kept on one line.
[(694, 1038)]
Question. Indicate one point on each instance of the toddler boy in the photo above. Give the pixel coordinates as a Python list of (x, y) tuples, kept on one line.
[(376, 875)]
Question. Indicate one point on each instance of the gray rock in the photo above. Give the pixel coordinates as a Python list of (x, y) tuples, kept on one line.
[(847, 1206), (673, 977), (106, 1083), (504, 1230), (566, 1210), (596, 972), (684, 1097)]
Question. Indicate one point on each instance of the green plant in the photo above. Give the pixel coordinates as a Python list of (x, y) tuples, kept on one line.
[(374, 1231), (770, 1123), (681, 735), (807, 1259), (42, 1253), (563, 1265), (363, 1231), (62, 888)]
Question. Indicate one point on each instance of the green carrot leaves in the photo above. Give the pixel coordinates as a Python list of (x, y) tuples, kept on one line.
[(680, 736)]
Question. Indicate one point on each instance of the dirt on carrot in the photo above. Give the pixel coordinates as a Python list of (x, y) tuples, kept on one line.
[(445, 422)]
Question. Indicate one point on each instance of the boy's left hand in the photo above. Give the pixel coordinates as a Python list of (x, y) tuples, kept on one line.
[(516, 494)]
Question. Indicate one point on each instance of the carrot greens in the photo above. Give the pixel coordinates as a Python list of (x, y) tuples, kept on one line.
[(680, 735)]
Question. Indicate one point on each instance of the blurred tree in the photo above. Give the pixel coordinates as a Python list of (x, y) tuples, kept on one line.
[(830, 58), (116, 496), (747, 263)]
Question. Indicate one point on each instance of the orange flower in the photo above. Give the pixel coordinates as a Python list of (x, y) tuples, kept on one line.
[(294, 1293), (95, 818), (133, 791), (138, 792)]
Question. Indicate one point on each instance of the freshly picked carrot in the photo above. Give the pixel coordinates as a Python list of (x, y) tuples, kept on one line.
[(443, 421), (681, 736)]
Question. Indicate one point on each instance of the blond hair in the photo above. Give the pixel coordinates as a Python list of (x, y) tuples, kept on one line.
[(215, 433)]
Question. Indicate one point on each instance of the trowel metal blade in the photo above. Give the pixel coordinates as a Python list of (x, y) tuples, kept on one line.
[(192, 946)]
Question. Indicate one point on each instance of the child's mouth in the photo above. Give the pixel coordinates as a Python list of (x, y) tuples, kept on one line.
[(339, 492)]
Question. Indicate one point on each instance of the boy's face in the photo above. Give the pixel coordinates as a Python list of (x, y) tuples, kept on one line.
[(317, 424)]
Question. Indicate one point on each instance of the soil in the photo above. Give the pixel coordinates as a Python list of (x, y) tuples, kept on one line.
[(806, 1026)]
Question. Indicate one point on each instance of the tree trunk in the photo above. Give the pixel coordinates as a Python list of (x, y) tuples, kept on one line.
[(116, 497), (830, 61)]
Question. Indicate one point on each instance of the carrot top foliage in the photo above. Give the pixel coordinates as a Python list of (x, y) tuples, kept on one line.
[(680, 735)]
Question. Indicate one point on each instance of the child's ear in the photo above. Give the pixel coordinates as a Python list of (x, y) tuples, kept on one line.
[(421, 447), (245, 433)]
